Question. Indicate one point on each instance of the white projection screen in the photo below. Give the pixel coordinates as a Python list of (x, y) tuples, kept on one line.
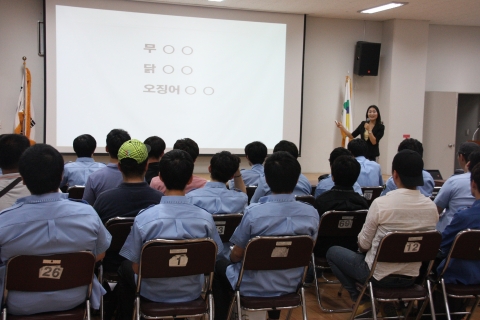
[(221, 77)]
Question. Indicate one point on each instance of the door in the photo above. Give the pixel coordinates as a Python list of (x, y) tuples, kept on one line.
[(439, 131)]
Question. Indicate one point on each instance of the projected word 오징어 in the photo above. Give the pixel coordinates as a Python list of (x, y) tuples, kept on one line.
[(149, 68)]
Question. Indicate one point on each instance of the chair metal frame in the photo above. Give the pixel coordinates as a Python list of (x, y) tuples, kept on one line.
[(26, 268), (150, 252), (465, 246), (299, 249), (344, 229), (395, 247), (229, 222), (375, 191)]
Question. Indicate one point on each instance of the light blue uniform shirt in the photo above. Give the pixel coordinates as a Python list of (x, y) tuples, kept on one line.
[(101, 180), (76, 173), (49, 224), (250, 177), (454, 195), (274, 215), (303, 188), (426, 189), (370, 173), (174, 218), (327, 184), (214, 197)]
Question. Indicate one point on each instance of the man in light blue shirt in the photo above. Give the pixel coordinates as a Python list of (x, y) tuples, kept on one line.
[(429, 184), (303, 186), (214, 197), (275, 215), (327, 183), (255, 152), (110, 176), (76, 173), (174, 218), (47, 223), (370, 171), (455, 193)]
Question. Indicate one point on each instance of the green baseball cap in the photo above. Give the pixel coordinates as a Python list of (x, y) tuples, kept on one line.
[(134, 149)]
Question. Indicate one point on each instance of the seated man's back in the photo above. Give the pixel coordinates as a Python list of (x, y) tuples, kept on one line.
[(370, 173), (255, 152)]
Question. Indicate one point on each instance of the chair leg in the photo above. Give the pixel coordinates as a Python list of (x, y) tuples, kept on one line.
[(210, 306), (445, 298), (409, 309), (4, 314), (357, 303), (304, 303), (230, 309), (427, 302), (239, 306), (372, 298), (474, 307), (289, 314), (88, 310), (137, 308)]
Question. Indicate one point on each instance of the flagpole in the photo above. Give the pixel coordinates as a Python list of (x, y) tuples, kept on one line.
[(24, 128)]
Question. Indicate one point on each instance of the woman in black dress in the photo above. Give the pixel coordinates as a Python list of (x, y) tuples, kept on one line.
[(370, 130)]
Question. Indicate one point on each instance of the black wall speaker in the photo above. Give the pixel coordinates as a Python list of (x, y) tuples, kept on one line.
[(367, 57)]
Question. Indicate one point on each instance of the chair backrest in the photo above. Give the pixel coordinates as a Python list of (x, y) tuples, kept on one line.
[(119, 228), (49, 272), (76, 192), (250, 192), (226, 224), (371, 193), (307, 199), (177, 258), (341, 223), (436, 175), (465, 246)]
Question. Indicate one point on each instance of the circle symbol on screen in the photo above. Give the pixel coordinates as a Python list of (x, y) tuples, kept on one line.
[(208, 91), (168, 69), (187, 50), (168, 49), (190, 90), (187, 70)]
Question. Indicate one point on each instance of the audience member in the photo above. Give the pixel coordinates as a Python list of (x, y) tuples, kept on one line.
[(157, 148), (429, 184), (370, 172), (345, 172), (12, 147), (255, 152), (191, 147), (303, 186), (277, 214), (404, 209), (47, 223), (108, 177), (455, 192), (214, 197), (174, 218), (76, 173), (327, 183)]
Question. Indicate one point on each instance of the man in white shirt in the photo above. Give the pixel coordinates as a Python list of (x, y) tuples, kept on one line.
[(12, 188), (404, 209)]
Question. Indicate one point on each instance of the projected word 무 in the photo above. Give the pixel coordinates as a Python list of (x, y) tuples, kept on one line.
[(163, 89)]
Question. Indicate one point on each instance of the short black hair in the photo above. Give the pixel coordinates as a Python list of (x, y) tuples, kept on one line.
[(176, 168), (337, 152), (131, 168), (467, 148), (287, 146), (224, 165), (379, 117), (473, 160), (84, 145), (12, 147), (256, 152), (188, 145), (41, 167), (115, 139), (411, 144), (358, 147), (345, 171), (157, 146), (282, 171), (475, 176)]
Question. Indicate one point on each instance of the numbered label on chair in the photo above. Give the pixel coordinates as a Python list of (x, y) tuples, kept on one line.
[(345, 224), (280, 252), (221, 229), (179, 260), (50, 272), (412, 247)]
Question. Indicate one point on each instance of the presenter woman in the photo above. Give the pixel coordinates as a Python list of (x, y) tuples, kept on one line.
[(370, 130)]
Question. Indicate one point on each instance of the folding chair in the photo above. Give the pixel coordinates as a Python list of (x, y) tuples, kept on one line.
[(250, 192), (307, 199), (76, 192), (402, 247), (336, 228), (226, 224), (465, 246), (371, 193), (274, 253), (50, 273), (176, 258)]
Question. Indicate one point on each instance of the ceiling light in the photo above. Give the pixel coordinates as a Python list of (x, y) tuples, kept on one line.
[(384, 7)]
